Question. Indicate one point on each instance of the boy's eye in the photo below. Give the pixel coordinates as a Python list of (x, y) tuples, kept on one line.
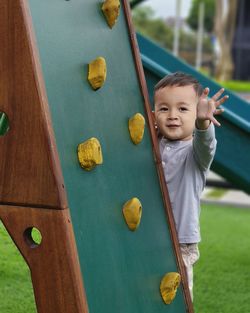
[(163, 109), (182, 109)]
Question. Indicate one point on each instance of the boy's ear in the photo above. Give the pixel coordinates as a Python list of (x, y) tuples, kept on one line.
[(154, 120), (153, 116), (155, 124)]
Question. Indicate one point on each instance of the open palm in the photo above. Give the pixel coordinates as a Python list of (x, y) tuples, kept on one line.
[(208, 107)]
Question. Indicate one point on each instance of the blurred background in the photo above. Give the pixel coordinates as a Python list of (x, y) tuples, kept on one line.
[(214, 38), (211, 35)]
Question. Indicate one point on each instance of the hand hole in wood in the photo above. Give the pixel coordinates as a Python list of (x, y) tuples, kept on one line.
[(4, 123), (32, 237)]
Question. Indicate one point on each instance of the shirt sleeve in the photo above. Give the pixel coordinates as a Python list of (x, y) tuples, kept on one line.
[(204, 146)]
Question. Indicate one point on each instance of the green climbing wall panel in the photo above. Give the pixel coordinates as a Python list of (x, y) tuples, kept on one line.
[(121, 269)]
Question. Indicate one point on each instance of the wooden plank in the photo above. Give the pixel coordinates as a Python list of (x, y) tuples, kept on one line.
[(29, 165), (54, 265)]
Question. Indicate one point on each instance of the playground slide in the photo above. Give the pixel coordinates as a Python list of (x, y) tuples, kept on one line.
[(233, 150)]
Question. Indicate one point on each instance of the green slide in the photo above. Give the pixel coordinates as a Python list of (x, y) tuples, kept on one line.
[(233, 150)]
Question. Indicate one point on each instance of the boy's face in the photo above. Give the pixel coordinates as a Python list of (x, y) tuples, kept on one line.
[(175, 111)]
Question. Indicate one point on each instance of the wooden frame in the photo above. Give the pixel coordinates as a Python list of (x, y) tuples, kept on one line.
[(31, 184), (54, 266)]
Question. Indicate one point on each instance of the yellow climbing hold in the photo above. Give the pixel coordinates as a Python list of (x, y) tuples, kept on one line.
[(169, 285), (132, 211), (111, 10), (136, 127), (90, 154), (97, 73)]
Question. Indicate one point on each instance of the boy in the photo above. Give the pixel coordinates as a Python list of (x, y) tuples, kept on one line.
[(185, 119)]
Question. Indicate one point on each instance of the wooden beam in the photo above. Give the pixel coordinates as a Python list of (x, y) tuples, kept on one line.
[(54, 265), (29, 164)]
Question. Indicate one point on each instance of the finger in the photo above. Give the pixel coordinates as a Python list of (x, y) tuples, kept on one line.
[(218, 111), (205, 93), (215, 122), (222, 100), (218, 94)]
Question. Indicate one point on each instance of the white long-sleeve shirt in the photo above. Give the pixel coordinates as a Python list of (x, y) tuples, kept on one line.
[(186, 164)]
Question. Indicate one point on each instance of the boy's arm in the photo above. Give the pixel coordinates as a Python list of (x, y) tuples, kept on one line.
[(204, 143), (204, 146)]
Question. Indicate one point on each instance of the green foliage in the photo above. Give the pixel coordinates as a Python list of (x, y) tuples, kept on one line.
[(134, 3), (157, 30), (192, 19), (188, 42), (36, 236), (4, 123), (154, 28), (221, 276), (236, 85), (216, 193)]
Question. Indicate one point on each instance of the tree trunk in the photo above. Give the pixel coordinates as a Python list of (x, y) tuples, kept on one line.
[(224, 30)]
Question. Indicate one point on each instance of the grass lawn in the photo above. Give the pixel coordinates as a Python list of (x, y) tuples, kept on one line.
[(16, 292), (235, 85), (222, 275)]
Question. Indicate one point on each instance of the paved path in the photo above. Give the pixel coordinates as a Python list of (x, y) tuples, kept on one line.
[(245, 96), (234, 198)]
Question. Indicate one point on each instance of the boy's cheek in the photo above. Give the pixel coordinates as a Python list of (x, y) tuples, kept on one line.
[(160, 121)]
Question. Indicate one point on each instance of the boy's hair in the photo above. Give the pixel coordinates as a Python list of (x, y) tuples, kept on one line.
[(179, 79)]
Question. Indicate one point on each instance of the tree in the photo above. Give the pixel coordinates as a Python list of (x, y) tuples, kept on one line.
[(220, 17), (192, 19), (154, 28), (134, 3), (162, 33), (225, 20)]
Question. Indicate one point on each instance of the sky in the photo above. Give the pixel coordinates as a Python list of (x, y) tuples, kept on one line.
[(166, 8)]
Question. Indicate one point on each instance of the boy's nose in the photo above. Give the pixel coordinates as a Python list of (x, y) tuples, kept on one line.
[(172, 116)]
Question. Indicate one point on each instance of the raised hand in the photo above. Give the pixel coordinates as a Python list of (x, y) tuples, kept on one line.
[(207, 108)]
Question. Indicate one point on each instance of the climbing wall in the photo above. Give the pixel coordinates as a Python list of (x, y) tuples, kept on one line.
[(121, 269)]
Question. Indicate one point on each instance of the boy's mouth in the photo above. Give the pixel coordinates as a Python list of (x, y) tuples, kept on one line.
[(173, 126)]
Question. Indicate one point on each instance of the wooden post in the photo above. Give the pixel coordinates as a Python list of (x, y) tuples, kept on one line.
[(31, 184)]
